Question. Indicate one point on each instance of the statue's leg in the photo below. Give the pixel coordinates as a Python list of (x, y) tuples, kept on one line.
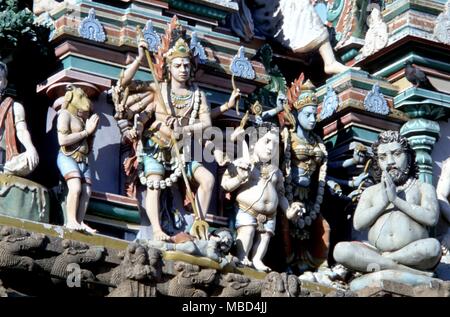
[(332, 66), (360, 257), (154, 171), (259, 251), (85, 196), (72, 203), (244, 242), (152, 206), (421, 254), (206, 185), (84, 201)]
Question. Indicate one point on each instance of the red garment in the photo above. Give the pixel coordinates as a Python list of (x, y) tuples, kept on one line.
[(7, 122)]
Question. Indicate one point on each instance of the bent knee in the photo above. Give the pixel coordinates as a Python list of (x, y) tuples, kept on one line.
[(342, 251), (433, 249), (207, 181)]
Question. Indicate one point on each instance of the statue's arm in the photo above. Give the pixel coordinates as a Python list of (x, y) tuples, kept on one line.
[(283, 203), (21, 127), (65, 137), (428, 211), (131, 70), (443, 190), (231, 180), (371, 206)]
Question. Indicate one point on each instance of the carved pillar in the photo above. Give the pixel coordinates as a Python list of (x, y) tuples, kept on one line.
[(422, 134), (425, 108)]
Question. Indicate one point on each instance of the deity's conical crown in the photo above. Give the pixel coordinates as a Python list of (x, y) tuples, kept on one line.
[(179, 49), (307, 97)]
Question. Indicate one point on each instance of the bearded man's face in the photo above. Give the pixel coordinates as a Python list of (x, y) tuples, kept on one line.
[(394, 160)]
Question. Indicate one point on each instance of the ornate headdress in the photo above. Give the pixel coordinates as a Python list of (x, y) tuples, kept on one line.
[(173, 45), (179, 49), (307, 97)]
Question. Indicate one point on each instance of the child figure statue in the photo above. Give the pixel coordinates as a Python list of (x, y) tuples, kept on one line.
[(260, 190)]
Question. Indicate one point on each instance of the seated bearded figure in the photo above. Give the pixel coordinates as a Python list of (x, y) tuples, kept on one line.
[(398, 211)]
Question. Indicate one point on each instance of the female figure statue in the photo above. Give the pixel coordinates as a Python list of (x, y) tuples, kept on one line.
[(305, 167)]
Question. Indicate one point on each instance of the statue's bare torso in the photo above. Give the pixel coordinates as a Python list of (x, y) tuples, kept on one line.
[(260, 193)]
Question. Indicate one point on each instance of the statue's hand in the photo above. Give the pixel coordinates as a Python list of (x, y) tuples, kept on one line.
[(237, 133), (281, 101), (358, 156), (133, 134), (359, 179), (171, 121), (243, 169), (235, 95), (92, 123), (142, 46), (295, 210), (32, 158), (391, 190), (177, 131)]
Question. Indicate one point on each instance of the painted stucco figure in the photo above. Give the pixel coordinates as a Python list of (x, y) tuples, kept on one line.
[(293, 23), (76, 130), (183, 112), (216, 248), (13, 128), (397, 212), (258, 183), (443, 194), (305, 168)]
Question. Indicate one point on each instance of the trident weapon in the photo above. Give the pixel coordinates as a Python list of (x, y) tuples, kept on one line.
[(200, 227)]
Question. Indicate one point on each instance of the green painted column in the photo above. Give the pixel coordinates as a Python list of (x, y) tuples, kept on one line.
[(425, 108), (422, 135)]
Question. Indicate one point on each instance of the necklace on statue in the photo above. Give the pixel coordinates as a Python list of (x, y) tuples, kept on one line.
[(180, 101), (265, 169)]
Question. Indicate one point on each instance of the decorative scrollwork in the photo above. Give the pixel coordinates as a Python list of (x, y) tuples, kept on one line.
[(241, 66), (90, 28), (152, 38), (375, 102)]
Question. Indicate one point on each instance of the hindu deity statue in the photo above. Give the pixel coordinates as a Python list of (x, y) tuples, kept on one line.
[(158, 116), (13, 127), (76, 131), (305, 168)]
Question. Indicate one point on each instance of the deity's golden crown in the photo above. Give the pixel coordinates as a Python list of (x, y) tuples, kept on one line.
[(179, 49), (307, 97)]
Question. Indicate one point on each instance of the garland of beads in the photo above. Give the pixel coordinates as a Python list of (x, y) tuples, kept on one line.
[(196, 106), (307, 217), (177, 173)]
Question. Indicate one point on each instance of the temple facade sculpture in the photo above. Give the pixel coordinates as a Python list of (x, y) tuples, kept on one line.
[(258, 183), (305, 169), (13, 127), (293, 23), (443, 194), (216, 248), (175, 109), (397, 212), (76, 130), (377, 36)]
